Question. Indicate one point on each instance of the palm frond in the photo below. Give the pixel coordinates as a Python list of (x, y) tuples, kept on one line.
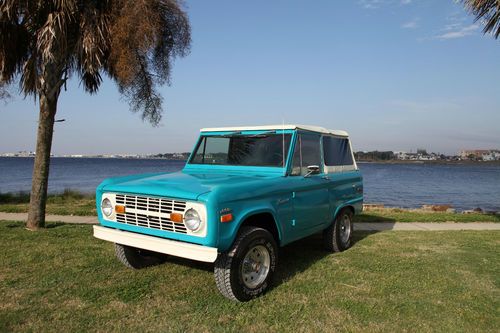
[(142, 95), (488, 12), (133, 41)]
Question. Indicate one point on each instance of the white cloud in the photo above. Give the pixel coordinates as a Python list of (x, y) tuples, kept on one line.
[(457, 31), (413, 24), (452, 26), (455, 26), (374, 4), (371, 4)]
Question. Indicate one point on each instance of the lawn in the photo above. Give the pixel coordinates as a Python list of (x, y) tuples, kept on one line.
[(62, 279), (68, 202), (407, 215), (74, 203)]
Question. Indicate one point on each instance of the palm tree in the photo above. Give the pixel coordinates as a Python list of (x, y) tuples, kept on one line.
[(4, 93), (487, 10), (44, 43)]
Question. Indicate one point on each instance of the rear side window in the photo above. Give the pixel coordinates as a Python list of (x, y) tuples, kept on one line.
[(337, 151)]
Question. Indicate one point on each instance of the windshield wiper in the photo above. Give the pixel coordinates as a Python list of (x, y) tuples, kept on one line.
[(240, 133)]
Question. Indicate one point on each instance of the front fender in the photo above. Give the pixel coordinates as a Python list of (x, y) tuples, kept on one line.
[(228, 231)]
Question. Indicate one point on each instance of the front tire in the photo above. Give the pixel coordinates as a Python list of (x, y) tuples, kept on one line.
[(138, 258), (246, 270), (337, 237)]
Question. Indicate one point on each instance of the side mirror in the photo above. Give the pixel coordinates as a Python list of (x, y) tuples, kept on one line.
[(312, 170)]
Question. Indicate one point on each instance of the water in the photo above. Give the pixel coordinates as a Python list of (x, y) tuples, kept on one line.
[(82, 174), (464, 186)]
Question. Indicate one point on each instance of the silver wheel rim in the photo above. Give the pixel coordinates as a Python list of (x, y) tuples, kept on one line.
[(255, 266), (345, 228)]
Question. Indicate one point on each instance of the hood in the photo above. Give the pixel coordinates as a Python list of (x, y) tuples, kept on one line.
[(176, 185)]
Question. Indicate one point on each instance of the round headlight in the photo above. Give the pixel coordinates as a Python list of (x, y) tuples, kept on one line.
[(107, 207), (192, 219)]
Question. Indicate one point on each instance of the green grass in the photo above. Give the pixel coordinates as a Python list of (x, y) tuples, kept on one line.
[(69, 202), (62, 279), (404, 215)]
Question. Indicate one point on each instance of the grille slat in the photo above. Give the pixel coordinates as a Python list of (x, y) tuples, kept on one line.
[(148, 205)]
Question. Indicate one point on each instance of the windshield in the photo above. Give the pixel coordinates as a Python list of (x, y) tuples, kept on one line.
[(245, 150)]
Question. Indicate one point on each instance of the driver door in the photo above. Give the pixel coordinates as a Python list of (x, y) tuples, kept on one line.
[(310, 194)]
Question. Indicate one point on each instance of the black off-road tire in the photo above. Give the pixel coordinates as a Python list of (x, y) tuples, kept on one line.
[(229, 267), (138, 258), (333, 235)]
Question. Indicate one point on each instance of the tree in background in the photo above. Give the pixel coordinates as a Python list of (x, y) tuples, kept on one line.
[(374, 155), (44, 43), (487, 11)]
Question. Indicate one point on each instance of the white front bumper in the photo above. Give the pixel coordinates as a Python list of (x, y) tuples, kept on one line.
[(156, 244)]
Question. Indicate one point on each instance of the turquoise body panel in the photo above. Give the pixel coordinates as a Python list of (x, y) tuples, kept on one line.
[(300, 206)]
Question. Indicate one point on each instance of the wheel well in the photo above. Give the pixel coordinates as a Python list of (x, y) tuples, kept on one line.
[(351, 208), (264, 221)]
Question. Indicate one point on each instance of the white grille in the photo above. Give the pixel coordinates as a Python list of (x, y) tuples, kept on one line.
[(150, 212)]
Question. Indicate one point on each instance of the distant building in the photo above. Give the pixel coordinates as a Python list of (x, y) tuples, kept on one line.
[(25, 154), (492, 155), (480, 154), (401, 155)]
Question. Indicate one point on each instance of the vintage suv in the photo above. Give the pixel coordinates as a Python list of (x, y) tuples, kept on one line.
[(243, 192)]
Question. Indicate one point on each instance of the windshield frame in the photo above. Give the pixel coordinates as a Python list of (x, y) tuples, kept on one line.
[(273, 169)]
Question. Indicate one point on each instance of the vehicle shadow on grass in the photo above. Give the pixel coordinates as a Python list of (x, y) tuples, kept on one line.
[(200, 265), (293, 259), (302, 254)]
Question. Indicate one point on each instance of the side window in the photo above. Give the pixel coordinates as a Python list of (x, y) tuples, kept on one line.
[(306, 153), (337, 153), (311, 154)]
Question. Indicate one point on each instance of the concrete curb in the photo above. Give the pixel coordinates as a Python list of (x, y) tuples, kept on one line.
[(361, 226)]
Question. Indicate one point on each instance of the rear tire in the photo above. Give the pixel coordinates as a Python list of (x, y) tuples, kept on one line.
[(337, 237), (246, 270), (138, 258)]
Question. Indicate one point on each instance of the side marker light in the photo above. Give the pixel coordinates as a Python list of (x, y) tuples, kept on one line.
[(226, 218)]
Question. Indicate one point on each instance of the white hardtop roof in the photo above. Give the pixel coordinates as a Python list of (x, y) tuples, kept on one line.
[(276, 127)]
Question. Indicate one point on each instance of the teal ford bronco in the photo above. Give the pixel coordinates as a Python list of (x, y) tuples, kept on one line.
[(244, 192)]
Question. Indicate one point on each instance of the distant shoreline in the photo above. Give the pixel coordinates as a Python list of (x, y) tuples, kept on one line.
[(430, 162), (357, 161), (106, 157)]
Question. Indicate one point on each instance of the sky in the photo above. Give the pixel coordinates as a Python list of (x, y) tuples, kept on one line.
[(396, 74)]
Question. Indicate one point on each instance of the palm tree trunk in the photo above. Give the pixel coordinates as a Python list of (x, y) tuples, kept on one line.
[(38, 198)]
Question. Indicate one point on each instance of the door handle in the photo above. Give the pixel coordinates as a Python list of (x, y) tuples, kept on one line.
[(325, 178)]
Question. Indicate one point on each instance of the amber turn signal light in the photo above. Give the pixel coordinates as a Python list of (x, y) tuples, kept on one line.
[(176, 217), (226, 218), (120, 209)]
